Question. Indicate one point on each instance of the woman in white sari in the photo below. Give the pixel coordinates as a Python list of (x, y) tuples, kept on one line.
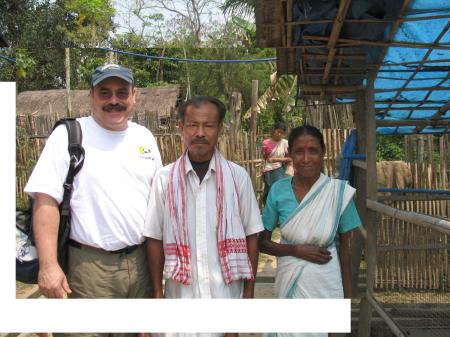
[(316, 215)]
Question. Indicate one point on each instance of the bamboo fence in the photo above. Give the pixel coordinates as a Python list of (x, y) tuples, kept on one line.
[(411, 256)]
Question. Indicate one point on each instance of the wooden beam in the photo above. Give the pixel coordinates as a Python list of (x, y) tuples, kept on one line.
[(340, 56), (378, 43), (378, 21), (330, 88), (442, 111), (436, 88), (335, 32), (357, 242), (371, 217), (317, 46), (423, 70), (413, 62), (415, 122), (289, 8), (410, 102), (338, 74), (440, 225), (409, 108), (358, 70), (404, 79)]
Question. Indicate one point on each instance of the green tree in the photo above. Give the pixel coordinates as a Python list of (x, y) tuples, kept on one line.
[(88, 23), (7, 68), (390, 148), (31, 23), (43, 24), (24, 63)]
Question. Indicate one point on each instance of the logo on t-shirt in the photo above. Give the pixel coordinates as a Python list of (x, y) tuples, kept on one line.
[(145, 153)]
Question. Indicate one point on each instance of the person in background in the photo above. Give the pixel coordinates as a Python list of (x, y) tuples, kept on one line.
[(276, 161), (316, 214)]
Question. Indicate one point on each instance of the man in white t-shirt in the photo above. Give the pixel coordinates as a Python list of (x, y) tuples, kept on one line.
[(107, 258), (203, 218)]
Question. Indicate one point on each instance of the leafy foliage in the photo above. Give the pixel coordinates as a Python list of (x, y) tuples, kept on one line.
[(390, 148), (240, 7), (87, 22), (23, 63), (40, 24), (7, 72)]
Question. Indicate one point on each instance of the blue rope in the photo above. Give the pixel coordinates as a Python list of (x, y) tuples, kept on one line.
[(152, 57), (8, 58)]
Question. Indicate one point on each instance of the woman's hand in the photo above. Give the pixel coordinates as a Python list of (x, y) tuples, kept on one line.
[(312, 253)]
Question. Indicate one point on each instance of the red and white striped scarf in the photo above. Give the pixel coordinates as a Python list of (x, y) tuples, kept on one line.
[(231, 240)]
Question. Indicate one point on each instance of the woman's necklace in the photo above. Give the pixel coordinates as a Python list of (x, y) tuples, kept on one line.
[(299, 194)]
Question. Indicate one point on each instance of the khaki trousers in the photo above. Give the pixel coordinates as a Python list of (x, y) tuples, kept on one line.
[(96, 274)]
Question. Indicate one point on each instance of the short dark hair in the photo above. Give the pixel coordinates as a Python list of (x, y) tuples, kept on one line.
[(281, 126), (308, 130), (199, 101)]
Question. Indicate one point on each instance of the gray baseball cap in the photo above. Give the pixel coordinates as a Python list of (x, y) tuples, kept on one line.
[(111, 70)]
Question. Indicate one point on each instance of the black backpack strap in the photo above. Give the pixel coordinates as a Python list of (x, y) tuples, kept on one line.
[(76, 153)]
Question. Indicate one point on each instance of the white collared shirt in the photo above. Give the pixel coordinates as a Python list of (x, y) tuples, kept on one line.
[(206, 274)]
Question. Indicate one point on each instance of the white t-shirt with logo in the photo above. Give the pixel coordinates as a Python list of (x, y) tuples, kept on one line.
[(111, 191)]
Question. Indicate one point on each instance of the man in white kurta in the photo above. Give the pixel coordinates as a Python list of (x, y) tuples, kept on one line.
[(201, 121), (207, 280)]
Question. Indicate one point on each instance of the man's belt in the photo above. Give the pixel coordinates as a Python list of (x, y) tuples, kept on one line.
[(125, 250)]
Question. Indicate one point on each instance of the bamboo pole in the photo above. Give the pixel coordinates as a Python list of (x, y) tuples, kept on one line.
[(371, 192), (355, 42), (357, 242), (415, 122), (67, 67), (254, 113), (427, 221), (395, 329)]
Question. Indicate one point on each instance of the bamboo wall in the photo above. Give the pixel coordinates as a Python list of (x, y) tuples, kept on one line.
[(410, 256), (235, 148)]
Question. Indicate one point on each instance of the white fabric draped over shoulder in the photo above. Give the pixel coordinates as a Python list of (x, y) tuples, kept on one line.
[(315, 221)]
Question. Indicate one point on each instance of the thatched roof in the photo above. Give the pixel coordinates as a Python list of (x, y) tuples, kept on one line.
[(162, 101)]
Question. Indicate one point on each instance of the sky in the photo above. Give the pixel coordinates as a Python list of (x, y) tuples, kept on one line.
[(125, 20)]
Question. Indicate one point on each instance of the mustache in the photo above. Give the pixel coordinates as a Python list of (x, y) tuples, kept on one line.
[(200, 141), (114, 107)]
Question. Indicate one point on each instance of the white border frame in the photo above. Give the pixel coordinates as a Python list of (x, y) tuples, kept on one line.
[(30, 315)]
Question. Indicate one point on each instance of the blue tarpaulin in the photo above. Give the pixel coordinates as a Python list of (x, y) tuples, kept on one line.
[(419, 89), (412, 85)]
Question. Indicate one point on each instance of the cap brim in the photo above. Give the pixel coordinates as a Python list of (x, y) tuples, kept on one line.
[(105, 76)]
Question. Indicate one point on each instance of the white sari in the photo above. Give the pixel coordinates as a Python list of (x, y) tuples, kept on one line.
[(315, 221)]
